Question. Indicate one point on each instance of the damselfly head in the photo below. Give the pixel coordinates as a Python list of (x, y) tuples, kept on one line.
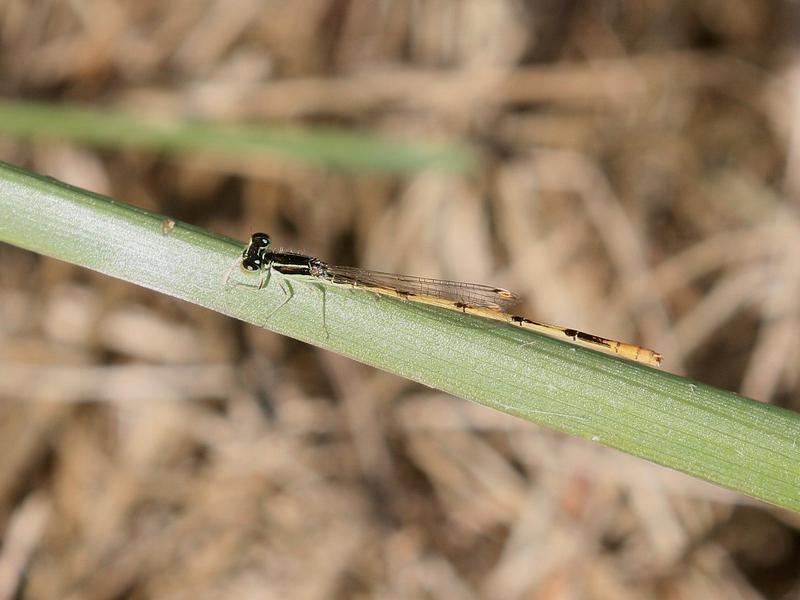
[(253, 257)]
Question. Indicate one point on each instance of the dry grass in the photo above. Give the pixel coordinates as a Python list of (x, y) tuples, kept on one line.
[(640, 178)]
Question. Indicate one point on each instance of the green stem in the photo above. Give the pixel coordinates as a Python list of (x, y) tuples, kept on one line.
[(327, 147), (709, 433)]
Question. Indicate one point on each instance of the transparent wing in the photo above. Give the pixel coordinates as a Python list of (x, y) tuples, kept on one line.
[(469, 294)]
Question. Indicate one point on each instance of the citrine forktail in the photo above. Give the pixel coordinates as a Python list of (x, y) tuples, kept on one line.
[(471, 298)]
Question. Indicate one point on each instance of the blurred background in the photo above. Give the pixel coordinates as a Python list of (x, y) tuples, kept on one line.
[(631, 168)]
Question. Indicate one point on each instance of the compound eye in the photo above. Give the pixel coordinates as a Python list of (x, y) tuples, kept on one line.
[(251, 264), (260, 240)]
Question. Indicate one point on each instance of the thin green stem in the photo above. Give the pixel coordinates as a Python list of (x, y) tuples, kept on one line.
[(327, 147)]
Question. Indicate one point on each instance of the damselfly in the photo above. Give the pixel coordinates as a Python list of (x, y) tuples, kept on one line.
[(472, 298)]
